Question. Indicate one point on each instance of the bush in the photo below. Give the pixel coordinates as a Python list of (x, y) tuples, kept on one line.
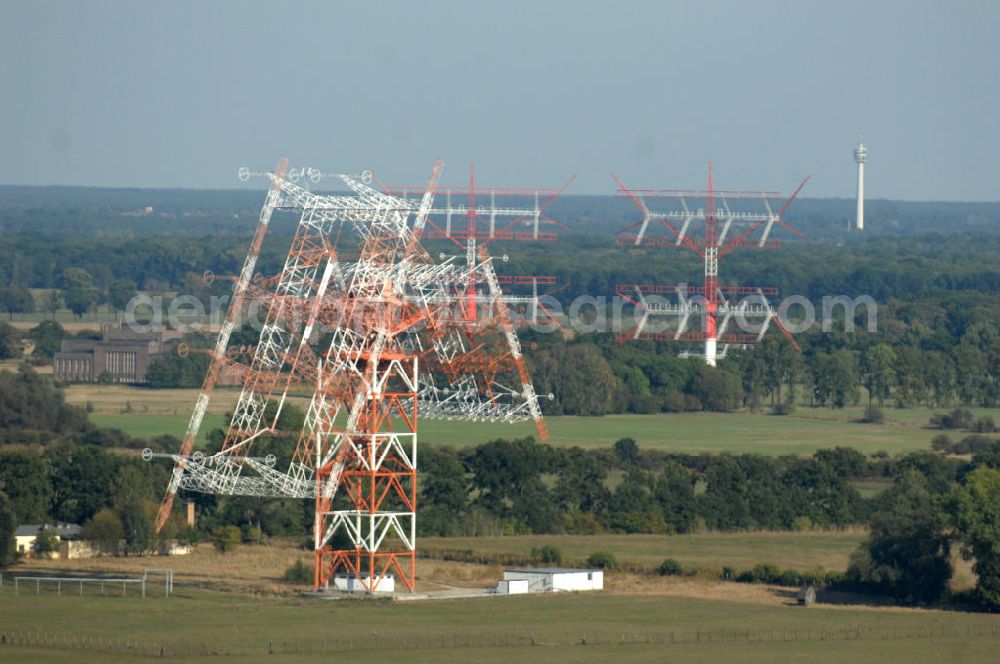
[(942, 443), (761, 573), (547, 554), (105, 530), (627, 452), (188, 535), (873, 415), (789, 578), (783, 409), (671, 567), (766, 573), (46, 542), (674, 403), (252, 535), (226, 538), (177, 371), (960, 418), (299, 573), (8, 524), (165, 442), (802, 524), (972, 444), (984, 425), (602, 560), (105, 438)]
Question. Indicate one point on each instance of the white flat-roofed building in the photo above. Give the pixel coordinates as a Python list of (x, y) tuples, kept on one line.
[(352, 584), (513, 587), (550, 579)]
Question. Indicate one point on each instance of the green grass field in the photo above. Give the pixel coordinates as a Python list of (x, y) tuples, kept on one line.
[(148, 425), (167, 411), (563, 628), (799, 551), (687, 432)]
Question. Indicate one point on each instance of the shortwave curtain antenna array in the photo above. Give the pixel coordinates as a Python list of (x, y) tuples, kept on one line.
[(670, 218), (403, 334)]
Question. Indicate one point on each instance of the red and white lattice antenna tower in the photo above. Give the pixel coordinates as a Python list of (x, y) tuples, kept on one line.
[(669, 218), (374, 340), (490, 215)]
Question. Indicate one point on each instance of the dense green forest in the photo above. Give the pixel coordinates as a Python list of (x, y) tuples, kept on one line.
[(931, 269), (884, 268), (75, 472)]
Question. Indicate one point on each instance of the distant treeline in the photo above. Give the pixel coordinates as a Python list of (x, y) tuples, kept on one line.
[(99, 211), (884, 268)]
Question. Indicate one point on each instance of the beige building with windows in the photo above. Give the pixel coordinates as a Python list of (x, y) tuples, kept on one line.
[(69, 541), (121, 354)]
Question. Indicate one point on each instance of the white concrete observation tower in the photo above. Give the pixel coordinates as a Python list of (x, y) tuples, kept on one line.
[(860, 156)]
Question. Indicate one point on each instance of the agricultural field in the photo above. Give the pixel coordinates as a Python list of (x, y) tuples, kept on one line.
[(146, 413), (611, 626), (259, 568), (705, 551)]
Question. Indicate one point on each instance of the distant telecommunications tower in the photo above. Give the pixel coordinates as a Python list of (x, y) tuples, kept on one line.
[(860, 156)]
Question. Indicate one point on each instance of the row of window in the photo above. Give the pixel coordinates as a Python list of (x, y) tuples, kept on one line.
[(121, 365)]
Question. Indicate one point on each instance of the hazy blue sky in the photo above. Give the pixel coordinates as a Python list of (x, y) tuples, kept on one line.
[(182, 93)]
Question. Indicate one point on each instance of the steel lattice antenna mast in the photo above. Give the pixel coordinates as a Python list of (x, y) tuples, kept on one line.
[(390, 320), (670, 225), (520, 215)]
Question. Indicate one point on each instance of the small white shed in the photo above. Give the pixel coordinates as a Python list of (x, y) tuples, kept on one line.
[(512, 587), (547, 579), (352, 584)]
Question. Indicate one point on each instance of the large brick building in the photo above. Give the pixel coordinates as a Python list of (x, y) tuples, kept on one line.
[(122, 354)]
